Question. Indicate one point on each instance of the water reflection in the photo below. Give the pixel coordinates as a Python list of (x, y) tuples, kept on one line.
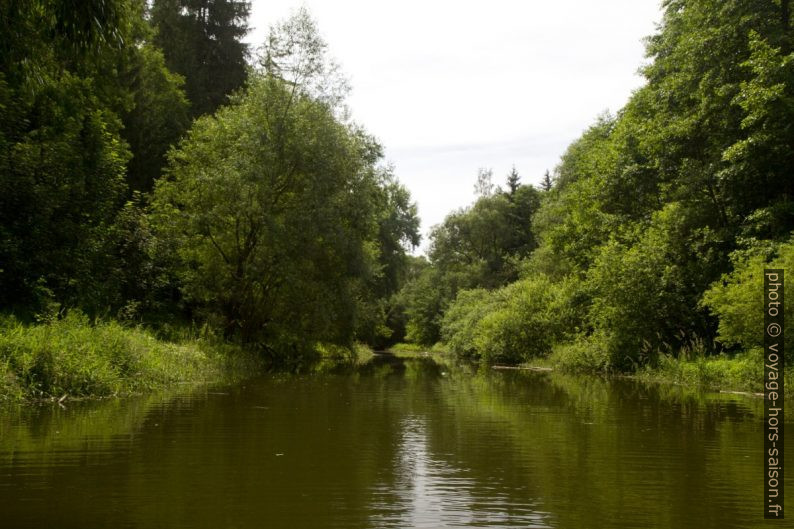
[(436, 493), (397, 443)]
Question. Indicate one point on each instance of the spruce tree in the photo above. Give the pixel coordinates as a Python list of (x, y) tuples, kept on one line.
[(546, 184), (513, 181), (201, 40)]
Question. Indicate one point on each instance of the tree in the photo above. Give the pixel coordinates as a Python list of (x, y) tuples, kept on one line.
[(426, 299), (513, 181), (476, 247), (646, 291), (737, 298), (296, 53), (201, 40), (286, 228), (761, 160), (546, 184), (397, 232), (62, 159), (271, 217), (484, 186), (158, 118)]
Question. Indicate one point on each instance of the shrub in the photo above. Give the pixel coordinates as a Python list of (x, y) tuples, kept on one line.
[(515, 323), (645, 292), (584, 354), (737, 299), (461, 320)]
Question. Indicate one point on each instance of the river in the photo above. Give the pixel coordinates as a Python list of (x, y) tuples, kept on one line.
[(397, 443)]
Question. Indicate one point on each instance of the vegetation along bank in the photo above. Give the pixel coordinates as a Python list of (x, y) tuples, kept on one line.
[(159, 224)]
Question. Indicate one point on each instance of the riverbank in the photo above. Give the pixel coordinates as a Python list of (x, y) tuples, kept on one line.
[(74, 358), (741, 373)]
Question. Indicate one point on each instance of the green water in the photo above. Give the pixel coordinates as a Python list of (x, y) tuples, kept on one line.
[(395, 444)]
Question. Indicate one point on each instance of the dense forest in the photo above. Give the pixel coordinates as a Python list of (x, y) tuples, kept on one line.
[(162, 186)]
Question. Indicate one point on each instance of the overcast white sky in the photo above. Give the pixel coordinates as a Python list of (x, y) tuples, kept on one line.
[(452, 86)]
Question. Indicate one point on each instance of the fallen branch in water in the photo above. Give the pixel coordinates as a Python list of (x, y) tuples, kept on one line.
[(524, 368), (742, 393)]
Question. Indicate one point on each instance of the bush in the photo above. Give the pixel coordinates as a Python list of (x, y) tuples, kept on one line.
[(737, 299), (460, 323), (589, 354), (645, 293), (515, 323)]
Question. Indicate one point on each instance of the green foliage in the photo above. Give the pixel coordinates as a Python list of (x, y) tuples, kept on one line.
[(157, 119), (571, 225), (85, 103), (645, 294), (286, 231), (202, 41), (535, 314), (645, 207), (513, 324), (585, 354), (744, 372), (403, 347), (72, 356), (273, 207), (707, 75), (276, 224), (426, 299), (295, 53), (381, 320), (737, 299), (591, 156), (477, 247), (480, 244), (459, 328), (762, 155), (61, 182), (141, 268)]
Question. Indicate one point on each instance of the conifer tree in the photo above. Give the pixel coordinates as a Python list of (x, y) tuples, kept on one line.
[(201, 40)]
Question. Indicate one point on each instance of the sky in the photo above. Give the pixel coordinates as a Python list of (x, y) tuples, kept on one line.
[(448, 87)]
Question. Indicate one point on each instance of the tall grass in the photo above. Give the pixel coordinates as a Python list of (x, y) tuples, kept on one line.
[(740, 372), (79, 358)]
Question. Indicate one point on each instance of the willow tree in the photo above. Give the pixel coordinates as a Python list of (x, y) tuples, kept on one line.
[(274, 206)]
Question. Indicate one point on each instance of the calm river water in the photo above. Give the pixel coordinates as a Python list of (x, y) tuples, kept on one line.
[(397, 443)]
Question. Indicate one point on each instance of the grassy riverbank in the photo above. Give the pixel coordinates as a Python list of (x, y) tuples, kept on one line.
[(741, 372), (77, 358)]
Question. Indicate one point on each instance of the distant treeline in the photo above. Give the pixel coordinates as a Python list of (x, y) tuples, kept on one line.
[(649, 239)]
